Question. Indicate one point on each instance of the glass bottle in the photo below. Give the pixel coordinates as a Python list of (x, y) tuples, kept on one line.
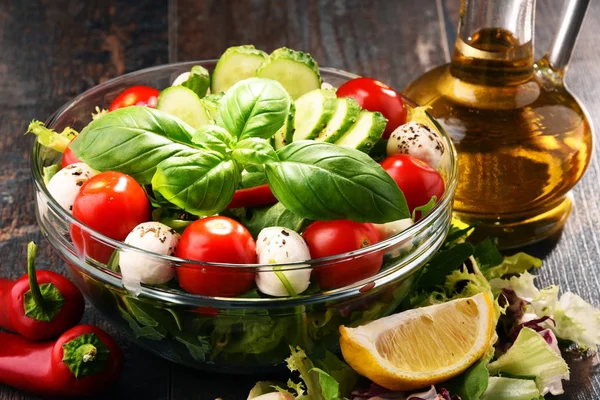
[(523, 140)]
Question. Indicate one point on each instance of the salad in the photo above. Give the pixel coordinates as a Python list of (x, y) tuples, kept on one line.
[(521, 360), (259, 162)]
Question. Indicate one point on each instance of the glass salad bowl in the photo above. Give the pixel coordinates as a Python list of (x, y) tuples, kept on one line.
[(230, 334)]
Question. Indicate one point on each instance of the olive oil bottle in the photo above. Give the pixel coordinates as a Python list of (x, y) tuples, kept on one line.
[(523, 141)]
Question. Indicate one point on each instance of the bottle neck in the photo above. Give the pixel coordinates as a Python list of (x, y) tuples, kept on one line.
[(494, 45)]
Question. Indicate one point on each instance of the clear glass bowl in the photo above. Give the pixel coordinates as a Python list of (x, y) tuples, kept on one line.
[(241, 334)]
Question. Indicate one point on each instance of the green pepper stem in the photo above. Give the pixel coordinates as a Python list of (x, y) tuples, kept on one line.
[(33, 283), (89, 352)]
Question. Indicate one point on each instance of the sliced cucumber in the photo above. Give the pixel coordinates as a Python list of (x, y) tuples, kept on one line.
[(184, 104), (285, 135), (236, 64), (344, 116), (197, 80), (365, 132), (313, 111), (298, 72)]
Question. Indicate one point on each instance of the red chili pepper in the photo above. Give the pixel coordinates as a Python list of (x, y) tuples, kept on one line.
[(254, 196), (39, 305), (83, 361)]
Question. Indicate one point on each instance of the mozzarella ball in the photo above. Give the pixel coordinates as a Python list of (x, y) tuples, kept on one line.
[(181, 78), (277, 245), (390, 229), (64, 186), (139, 268), (417, 140), (327, 85), (274, 396)]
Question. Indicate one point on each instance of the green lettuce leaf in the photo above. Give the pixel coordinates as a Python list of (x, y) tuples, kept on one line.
[(500, 388), (515, 264), (575, 319), (531, 356)]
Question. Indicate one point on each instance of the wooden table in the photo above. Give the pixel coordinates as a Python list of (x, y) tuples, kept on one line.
[(51, 51)]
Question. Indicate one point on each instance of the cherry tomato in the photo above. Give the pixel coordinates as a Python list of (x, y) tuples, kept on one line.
[(135, 96), (328, 238), (68, 157), (111, 203), (220, 240), (373, 95), (254, 196), (417, 180)]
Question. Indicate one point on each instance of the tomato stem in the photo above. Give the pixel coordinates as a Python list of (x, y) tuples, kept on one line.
[(34, 287)]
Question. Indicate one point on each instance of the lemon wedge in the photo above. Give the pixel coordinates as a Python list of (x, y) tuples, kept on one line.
[(423, 346)]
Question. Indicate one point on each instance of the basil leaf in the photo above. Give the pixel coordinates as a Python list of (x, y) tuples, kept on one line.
[(253, 175), (201, 184), (256, 220), (254, 151), (323, 181), (213, 137), (254, 107), (133, 140)]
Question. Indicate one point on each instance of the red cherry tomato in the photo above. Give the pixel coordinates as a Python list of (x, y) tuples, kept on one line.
[(328, 238), (417, 180), (376, 96), (135, 96), (69, 157), (254, 196), (111, 203), (220, 240)]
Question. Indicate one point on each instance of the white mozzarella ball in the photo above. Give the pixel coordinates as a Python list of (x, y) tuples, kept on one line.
[(390, 229), (274, 396), (64, 186), (327, 85), (139, 268), (417, 140), (278, 245), (181, 78)]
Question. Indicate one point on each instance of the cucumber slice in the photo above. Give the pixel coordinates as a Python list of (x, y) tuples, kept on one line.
[(285, 135), (236, 64), (197, 80), (298, 72), (365, 132), (344, 116), (184, 104), (313, 111)]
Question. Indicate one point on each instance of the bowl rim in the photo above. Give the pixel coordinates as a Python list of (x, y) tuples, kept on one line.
[(408, 233)]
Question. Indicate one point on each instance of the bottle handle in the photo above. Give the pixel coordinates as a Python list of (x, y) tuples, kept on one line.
[(562, 46)]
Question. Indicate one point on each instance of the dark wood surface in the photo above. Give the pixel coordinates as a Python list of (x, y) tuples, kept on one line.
[(52, 50)]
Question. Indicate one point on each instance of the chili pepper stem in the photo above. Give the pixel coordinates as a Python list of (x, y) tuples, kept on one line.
[(33, 283), (89, 352)]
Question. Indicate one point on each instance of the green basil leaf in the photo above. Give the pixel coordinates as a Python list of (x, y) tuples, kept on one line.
[(201, 184), (257, 219), (213, 137), (254, 107), (133, 140), (254, 151), (253, 175), (323, 181)]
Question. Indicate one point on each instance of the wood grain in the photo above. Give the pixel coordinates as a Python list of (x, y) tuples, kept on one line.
[(53, 50)]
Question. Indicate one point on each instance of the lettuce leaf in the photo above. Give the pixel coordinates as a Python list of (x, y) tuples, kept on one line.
[(575, 319), (515, 264), (500, 388), (531, 356)]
